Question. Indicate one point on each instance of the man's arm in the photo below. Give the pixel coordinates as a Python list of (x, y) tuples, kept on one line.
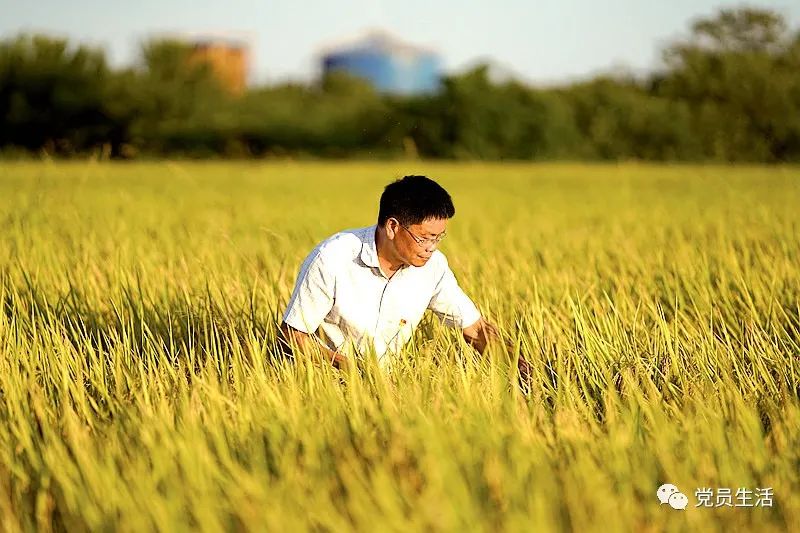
[(290, 336), (481, 333), (456, 309), (312, 299)]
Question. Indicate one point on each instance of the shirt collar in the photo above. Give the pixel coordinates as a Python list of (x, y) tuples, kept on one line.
[(369, 250)]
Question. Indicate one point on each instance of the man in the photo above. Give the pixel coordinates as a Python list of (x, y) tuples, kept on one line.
[(367, 289)]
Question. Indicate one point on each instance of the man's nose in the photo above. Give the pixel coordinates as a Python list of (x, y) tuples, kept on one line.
[(431, 246)]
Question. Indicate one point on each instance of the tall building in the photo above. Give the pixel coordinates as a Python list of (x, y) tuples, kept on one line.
[(390, 64), (228, 59)]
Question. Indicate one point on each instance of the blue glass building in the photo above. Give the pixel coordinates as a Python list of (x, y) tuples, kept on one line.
[(392, 66)]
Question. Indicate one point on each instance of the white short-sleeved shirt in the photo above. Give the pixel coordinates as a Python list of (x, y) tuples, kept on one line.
[(342, 295)]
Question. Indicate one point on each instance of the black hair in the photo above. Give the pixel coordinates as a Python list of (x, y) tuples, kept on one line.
[(413, 199)]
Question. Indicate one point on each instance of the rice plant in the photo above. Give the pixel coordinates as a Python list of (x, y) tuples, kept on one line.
[(142, 389)]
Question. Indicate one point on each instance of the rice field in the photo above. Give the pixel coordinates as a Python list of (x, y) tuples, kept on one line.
[(141, 387)]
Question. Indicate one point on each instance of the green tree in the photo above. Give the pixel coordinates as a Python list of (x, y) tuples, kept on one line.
[(496, 121), (175, 100), (53, 95), (738, 74), (618, 119)]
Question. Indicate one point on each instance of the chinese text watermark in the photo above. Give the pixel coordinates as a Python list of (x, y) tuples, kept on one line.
[(719, 497)]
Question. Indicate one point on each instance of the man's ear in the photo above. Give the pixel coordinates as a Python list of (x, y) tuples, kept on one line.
[(391, 227)]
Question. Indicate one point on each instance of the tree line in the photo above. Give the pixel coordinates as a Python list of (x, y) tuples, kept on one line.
[(729, 91)]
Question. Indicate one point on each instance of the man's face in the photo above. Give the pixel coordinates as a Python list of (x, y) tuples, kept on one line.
[(406, 244)]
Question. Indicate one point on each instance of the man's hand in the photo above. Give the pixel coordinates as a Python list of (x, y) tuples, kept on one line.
[(289, 336), (525, 374), (481, 333)]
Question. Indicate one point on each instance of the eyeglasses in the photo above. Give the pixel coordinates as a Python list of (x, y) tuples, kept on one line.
[(423, 241)]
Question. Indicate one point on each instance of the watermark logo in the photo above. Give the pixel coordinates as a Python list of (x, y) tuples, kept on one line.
[(722, 497), (669, 494)]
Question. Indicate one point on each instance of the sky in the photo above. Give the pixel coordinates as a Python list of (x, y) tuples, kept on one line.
[(542, 42)]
